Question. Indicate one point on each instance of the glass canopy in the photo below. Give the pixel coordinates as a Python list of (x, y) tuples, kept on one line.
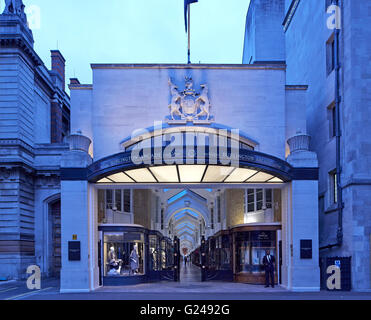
[(191, 174)]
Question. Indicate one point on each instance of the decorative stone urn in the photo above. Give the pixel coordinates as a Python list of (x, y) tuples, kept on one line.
[(299, 142), (77, 141)]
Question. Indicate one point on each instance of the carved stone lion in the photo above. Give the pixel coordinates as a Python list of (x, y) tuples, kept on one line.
[(174, 106), (204, 102)]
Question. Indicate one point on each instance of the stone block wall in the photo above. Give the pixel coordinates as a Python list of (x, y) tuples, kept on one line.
[(17, 239)]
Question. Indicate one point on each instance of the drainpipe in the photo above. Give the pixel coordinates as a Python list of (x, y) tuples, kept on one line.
[(339, 235)]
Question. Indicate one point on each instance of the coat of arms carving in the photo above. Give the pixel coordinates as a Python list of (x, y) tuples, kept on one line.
[(189, 105)]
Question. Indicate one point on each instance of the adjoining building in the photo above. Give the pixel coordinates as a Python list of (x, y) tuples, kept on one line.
[(225, 153), (34, 119), (317, 40)]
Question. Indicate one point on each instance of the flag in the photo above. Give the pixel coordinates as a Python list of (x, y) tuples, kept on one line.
[(186, 3)]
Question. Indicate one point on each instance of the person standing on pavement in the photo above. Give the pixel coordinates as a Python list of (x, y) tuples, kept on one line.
[(269, 263)]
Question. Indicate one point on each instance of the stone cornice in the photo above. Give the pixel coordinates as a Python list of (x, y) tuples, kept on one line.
[(48, 171), (51, 147), (17, 165), (17, 143), (18, 42), (257, 66), (14, 34)]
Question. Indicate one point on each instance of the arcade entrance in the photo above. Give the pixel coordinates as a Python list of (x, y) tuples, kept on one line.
[(146, 235), (220, 205)]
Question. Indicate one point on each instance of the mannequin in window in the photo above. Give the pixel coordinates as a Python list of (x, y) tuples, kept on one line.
[(152, 261), (134, 260), (114, 263)]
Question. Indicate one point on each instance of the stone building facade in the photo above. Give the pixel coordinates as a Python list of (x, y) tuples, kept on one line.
[(333, 62), (291, 87), (34, 119)]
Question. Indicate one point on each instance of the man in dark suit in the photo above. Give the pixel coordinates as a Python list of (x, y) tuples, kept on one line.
[(269, 262)]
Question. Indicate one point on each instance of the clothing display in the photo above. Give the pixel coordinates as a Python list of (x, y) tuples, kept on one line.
[(114, 263), (134, 263)]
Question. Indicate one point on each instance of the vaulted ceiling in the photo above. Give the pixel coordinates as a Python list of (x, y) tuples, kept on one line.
[(186, 210)]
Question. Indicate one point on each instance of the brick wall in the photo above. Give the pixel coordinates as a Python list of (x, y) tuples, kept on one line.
[(58, 65), (56, 123)]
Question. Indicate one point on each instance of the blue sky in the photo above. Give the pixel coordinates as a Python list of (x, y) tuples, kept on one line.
[(137, 31)]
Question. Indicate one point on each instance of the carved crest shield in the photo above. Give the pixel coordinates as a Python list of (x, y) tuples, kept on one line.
[(189, 105)]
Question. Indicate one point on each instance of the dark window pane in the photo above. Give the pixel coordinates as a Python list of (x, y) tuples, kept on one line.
[(250, 207), (118, 200), (109, 199), (250, 200), (162, 219), (333, 112), (268, 198), (212, 218), (332, 55), (335, 189), (259, 199), (126, 200), (101, 207), (219, 210)]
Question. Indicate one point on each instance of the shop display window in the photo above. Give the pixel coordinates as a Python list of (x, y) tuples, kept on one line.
[(154, 254), (161, 253), (218, 252), (123, 254), (166, 254), (250, 249), (225, 252)]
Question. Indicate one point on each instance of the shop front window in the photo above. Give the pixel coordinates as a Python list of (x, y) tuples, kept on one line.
[(225, 252), (166, 254), (250, 250), (154, 254), (212, 253), (123, 254), (218, 252)]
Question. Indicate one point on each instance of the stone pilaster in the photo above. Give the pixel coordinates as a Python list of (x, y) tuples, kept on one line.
[(302, 219), (75, 217)]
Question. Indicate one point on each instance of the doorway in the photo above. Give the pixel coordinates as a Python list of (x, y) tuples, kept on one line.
[(55, 238)]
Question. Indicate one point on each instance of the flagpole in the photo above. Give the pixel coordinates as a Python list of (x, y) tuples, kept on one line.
[(189, 33)]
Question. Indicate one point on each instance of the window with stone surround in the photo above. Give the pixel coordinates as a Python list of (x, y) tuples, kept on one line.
[(331, 116), (330, 54), (333, 187)]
